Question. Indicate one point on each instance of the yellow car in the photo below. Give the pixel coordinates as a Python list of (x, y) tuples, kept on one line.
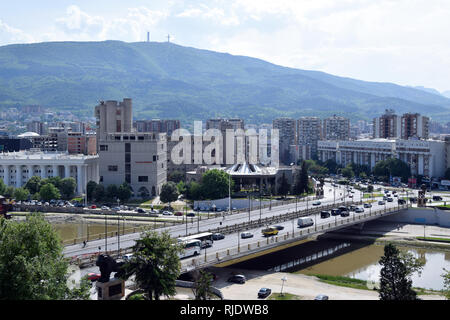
[(270, 231)]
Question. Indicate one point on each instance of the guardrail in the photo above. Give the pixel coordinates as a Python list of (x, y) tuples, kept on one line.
[(234, 252)]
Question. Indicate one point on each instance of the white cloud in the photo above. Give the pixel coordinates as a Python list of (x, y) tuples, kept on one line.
[(10, 35)]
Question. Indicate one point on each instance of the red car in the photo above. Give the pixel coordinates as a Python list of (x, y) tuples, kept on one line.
[(94, 276), (94, 207), (178, 213)]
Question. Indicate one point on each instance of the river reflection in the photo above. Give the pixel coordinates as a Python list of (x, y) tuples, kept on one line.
[(350, 259)]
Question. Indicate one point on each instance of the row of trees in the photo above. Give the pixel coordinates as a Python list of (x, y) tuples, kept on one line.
[(382, 170), (41, 189), (97, 192)]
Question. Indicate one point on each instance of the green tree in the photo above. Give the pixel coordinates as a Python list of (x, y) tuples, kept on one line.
[(155, 264), (446, 277), (392, 167), (21, 194), (2, 187), (284, 187), (194, 191), (169, 192), (90, 187), (32, 264), (214, 184), (49, 192), (67, 188), (99, 193), (301, 180), (112, 191), (202, 285), (176, 176), (347, 172), (56, 181), (124, 192), (370, 188), (394, 281), (33, 184), (181, 187), (9, 192)]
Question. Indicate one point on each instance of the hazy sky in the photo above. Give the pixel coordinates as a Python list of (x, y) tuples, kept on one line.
[(401, 41)]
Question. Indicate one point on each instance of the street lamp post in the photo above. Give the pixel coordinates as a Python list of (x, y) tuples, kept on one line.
[(118, 228), (282, 285), (106, 232)]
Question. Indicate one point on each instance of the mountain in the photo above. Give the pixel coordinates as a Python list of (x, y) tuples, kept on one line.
[(166, 80), (430, 90), (446, 94)]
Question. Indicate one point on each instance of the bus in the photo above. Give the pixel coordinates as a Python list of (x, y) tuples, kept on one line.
[(191, 248), (205, 238)]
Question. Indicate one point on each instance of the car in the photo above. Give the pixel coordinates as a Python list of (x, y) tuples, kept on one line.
[(359, 210), (385, 198), (352, 208), (105, 208), (218, 236), (335, 212), (367, 205), (345, 213), (381, 202), (237, 278), (278, 227), (401, 201), (245, 235), (321, 297), (93, 276), (93, 206), (350, 196), (316, 203), (190, 214), (178, 213), (264, 292), (140, 210), (127, 257), (437, 198), (270, 231), (116, 208), (395, 195), (167, 213), (324, 214), (390, 199)]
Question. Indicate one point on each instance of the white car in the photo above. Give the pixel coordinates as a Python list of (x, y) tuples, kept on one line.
[(167, 213)]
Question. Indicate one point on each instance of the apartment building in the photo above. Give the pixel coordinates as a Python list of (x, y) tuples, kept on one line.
[(336, 128)]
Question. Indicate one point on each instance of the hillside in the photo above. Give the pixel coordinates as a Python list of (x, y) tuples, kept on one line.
[(166, 80)]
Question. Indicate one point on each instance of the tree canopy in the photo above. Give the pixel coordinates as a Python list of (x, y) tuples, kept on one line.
[(155, 264), (214, 184), (169, 192), (32, 264)]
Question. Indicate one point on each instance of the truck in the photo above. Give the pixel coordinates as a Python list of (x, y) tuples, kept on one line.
[(305, 222)]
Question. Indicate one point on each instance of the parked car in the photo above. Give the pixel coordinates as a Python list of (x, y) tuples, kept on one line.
[(93, 276), (93, 206), (324, 214), (140, 210), (237, 278), (381, 202), (105, 208), (127, 257), (218, 236), (401, 201), (437, 198), (390, 199), (167, 213), (278, 227), (321, 297), (345, 213), (359, 210), (352, 208), (264, 292), (245, 235), (190, 214), (316, 203), (178, 213), (367, 205)]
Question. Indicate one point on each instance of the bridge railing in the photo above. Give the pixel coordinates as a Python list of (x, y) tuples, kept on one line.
[(215, 257)]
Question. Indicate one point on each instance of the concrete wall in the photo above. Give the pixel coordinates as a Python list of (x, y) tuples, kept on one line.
[(428, 216)]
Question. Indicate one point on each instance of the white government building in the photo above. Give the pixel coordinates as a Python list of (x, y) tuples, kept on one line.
[(425, 157), (17, 167)]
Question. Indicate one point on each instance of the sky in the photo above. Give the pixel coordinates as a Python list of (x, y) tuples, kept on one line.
[(401, 41)]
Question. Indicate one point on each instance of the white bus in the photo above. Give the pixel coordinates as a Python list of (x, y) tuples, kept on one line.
[(205, 237), (191, 248)]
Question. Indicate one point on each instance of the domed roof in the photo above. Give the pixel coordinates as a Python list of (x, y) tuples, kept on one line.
[(28, 135)]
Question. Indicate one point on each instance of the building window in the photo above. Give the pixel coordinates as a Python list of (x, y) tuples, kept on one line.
[(128, 168), (143, 178), (127, 157), (154, 158), (112, 168), (101, 179), (127, 147), (103, 147), (140, 138), (118, 126)]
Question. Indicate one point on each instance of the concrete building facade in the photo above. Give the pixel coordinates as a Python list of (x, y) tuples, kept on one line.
[(336, 128)]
